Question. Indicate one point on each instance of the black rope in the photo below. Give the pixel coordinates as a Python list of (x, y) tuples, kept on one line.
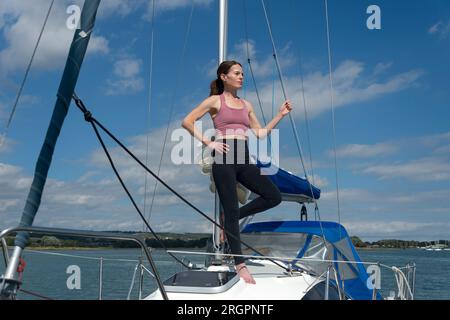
[(95, 122), (34, 294), (89, 118)]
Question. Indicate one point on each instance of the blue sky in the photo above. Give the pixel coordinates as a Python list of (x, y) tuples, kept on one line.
[(391, 109)]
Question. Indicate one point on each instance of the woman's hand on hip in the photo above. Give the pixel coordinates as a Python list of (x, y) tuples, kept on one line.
[(219, 147)]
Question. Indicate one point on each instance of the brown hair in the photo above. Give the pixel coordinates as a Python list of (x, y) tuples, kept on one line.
[(217, 85)]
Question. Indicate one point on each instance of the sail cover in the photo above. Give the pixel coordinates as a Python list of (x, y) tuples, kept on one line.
[(292, 187), (304, 240)]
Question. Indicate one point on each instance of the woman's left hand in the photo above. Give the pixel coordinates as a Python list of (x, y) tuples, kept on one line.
[(285, 108)]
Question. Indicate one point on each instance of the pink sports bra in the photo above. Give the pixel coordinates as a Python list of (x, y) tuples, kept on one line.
[(231, 121)]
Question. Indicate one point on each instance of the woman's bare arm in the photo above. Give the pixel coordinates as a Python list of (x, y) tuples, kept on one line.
[(198, 112), (208, 105), (260, 132)]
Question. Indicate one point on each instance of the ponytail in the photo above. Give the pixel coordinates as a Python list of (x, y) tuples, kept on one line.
[(216, 87)]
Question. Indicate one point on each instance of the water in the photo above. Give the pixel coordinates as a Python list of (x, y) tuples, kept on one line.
[(432, 270), (52, 275)]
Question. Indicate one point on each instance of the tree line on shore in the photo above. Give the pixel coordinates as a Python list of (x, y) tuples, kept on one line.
[(166, 240), (169, 240), (394, 243)]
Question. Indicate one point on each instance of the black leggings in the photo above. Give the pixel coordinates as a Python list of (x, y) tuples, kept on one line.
[(226, 176)]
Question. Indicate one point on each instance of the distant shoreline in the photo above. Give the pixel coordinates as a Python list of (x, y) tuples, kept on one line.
[(198, 242), (49, 248), (70, 248)]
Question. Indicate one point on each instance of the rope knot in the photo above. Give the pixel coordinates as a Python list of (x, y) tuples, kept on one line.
[(88, 116)]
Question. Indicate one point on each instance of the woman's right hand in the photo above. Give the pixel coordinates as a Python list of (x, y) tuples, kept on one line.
[(220, 147)]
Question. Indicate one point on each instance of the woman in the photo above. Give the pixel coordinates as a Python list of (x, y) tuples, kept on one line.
[(232, 117)]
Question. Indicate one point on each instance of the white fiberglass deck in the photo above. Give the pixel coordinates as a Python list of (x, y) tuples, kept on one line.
[(272, 283)]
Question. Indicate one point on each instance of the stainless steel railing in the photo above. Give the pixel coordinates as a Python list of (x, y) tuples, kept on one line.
[(139, 239), (5, 251)]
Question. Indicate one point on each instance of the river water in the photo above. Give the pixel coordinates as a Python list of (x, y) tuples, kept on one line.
[(75, 274)]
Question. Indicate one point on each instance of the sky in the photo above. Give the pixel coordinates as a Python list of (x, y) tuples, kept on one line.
[(391, 109)]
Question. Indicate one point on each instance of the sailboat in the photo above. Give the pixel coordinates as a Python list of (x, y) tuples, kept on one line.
[(290, 260)]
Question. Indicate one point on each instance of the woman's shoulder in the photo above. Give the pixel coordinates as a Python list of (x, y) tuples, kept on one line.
[(214, 97), (247, 104), (213, 101)]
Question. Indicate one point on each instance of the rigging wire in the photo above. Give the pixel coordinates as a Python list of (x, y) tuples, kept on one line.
[(274, 70), (172, 104), (294, 128), (305, 105), (247, 41), (330, 66), (19, 93), (247, 220), (150, 90)]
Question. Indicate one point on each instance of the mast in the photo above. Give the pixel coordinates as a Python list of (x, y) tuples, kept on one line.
[(9, 283), (223, 38), (223, 30)]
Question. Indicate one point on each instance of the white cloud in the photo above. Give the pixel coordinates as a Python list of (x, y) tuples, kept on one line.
[(6, 144), (168, 5), (3, 115), (399, 229), (21, 24), (96, 201), (7, 204), (435, 141), (124, 86), (349, 195), (443, 149), (71, 202), (319, 182), (350, 87), (12, 179), (365, 151), (425, 169), (262, 66), (442, 29), (120, 7), (185, 179), (127, 68), (126, 7), (382, 67), (127, 77), (389, 200)]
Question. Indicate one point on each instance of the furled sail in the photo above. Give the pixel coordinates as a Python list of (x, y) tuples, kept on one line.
[(64, 97), (292, 187)]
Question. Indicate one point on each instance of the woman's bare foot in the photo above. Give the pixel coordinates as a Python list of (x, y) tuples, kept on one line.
[(243, 272), (222, 236)]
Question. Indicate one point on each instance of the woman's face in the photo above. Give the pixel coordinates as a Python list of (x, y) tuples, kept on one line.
[(235, 77)]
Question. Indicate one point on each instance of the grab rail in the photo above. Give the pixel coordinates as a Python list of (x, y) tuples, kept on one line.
[(139, 239), (5, 251)]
